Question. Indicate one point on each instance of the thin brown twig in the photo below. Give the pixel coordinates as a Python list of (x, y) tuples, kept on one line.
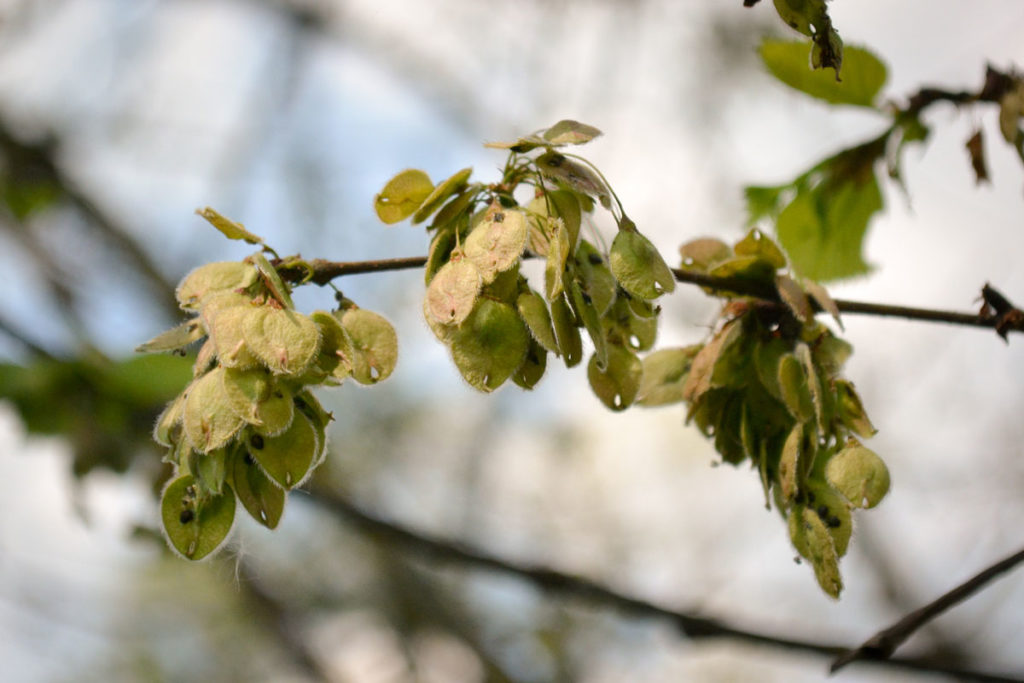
[(881, 645), (691, 625), (323, 272)]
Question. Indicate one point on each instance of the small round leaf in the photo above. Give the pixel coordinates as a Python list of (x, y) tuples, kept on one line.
[(196, 525), (402, 195)]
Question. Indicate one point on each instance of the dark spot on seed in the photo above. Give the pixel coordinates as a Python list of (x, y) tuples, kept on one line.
[(810, 496), (499, 217), (299, 403), (586, 297), (256, 441), (834, 522), (278, 394), (186, 516), (249, 460), (595, 259), (822, 512)]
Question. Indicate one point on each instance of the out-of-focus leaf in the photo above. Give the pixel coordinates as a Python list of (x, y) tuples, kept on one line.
[(864, 74), (569, 132), (228, 227), (402, 195)]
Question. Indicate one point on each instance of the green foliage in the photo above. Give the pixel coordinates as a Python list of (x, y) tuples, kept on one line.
[(822, 217), (246, 426), (766, 387), (864, 74)]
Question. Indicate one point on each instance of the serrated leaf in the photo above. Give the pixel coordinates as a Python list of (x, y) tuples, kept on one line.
[(863, 74), (664, 374), (209, 422), (175, 338), (402, 195), (440, 195), (490, 345), (618, 382), (196, 526), (497, 242), (374, 345), (762, 202), (569, 132), (858, 474), (823, 229), (288, 457), (639, 267), (258, 494), (534, 311), (453, 292), (228, 227), (570, 343), (286, 341), (214, 277)]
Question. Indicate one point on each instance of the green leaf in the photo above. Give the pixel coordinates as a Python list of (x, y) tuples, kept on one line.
[(664, 374), (793, 386), (591, 320), (261, 497), (196, 525), (595, 277), (288, 457), (762, 202), (402, 195), (490, 345), (440, 195), (863, 75), (569, 132), (702, 370), (789, 463), (229, 228), (638, 266), (823, 229), (554, 269)]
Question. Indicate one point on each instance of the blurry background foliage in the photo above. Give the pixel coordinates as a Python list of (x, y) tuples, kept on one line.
[(118, 119)]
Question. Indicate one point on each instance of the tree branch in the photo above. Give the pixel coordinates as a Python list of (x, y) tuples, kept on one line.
[(884, 643), (691, 625), (324, 271)]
